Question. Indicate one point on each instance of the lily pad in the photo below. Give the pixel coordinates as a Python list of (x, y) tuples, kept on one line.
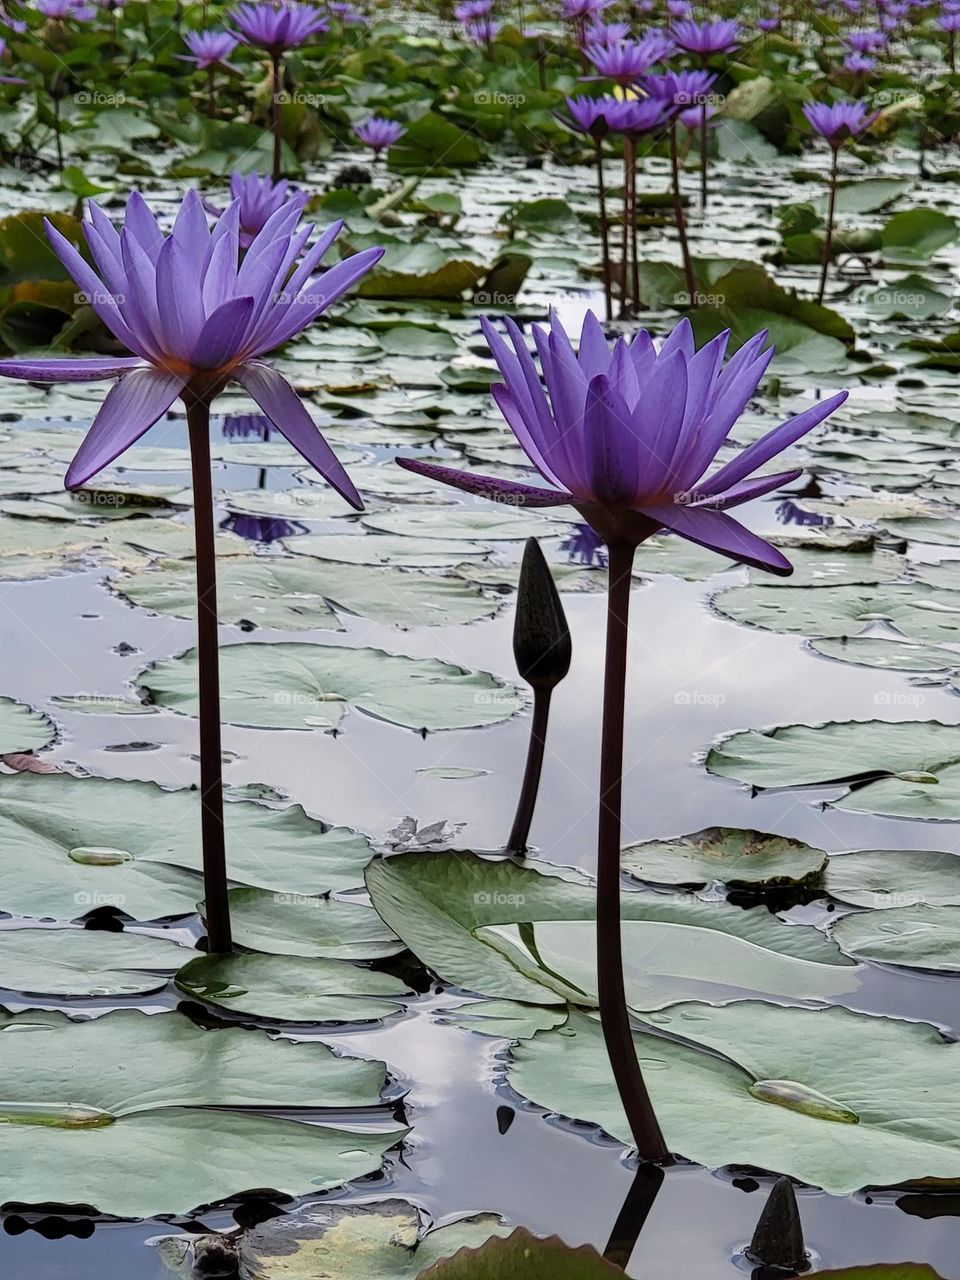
[(96, 833), (521, 1256), (382, 549), (469, 920), (386, 1239), (894, 878), (291, 988), (505, 1019), (23, 729), (465, 522), (917, 937), (918, 611), (916, 234), (296, 924), (307, 686), (122, 1112), (728, 854), (823, 1095), (85, 962), (907, 769), (887, 654)]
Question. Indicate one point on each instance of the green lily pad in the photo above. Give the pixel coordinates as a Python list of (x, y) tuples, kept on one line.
[(916, 234), (918, 937), (386, 1239), (781, 1097), (296, 924), (919, 611), (894, 878), (101, 836), (307, 686), (883, 1271), (383, 549), (888, 655), (292, 988), (85, 962), (22, 729), (298, 597), (912, 298), (729, 854), (469, 920), (465, 522), (907, 769), (522, 1256), (121, 1112), (505, 1019)]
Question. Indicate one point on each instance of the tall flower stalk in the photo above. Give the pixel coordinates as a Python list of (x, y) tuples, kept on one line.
[(626, 435), (197, 316), (704, 40), (836, 123)]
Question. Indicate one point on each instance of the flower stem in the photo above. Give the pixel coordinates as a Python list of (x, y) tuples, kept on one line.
[(217, 904), (276, 83), (680, 219), (634, 246), (625, 243), (604, 231), (520, 831), (828, 238), (703, 156), (211, 93), (614, 1016)]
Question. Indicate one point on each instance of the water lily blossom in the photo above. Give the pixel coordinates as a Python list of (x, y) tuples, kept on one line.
[(627, 434), (379, 134), (209, 49), (196, 318), (259, 198)]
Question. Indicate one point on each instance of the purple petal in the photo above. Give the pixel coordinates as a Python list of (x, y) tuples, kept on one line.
[(285, 410), (178, 298), (131, 408), (142, 225), (611, 455), (719, 532), (774, 442), (519, 424), (506, 491), (317, 295), (98, 295), (747, 490), (594, 353), (220, 337), (69, 370)]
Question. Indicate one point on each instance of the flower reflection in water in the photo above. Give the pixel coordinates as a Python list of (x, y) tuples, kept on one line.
[(789, 512), (244, 425), (261, 528), (586, 547)]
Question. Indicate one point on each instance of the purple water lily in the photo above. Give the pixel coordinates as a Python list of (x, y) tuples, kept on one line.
[(859, 64), (278, 27), (626, 434), (209, 49), (470, 10), (259, 199), (61, 10), (627, 60), (839, 121), (600, 32), (379, 134), (196, 318), (681, 88), (707, 38)]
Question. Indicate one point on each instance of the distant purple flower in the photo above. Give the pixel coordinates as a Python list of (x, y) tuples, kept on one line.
[(278, 27), (378, 134), (626, 435), (259, 198), (61, 10), (838, 121), (8, 79), (196, 316), (768, 24), (346, 13), (482, 31), (470, 10), (859, 63), (627, 61), (679, 8), (579, 10), (706, 38), (680, 88), (606, 33), (949, 22), (866, 41), (208, 49), (694, 118)]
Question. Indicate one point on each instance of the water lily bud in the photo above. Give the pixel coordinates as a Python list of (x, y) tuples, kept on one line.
[(541, 638), (778, 1239)]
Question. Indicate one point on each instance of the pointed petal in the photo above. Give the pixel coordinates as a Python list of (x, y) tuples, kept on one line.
[(178, 298), (286, 411), (142, 225), (69, 370), (610, 447), (220, 337), (317, 295), (594, 353), (747, 490), (755, 455), (131, 408), (97, 294), (506, 491), (719, 532), (519, 424)]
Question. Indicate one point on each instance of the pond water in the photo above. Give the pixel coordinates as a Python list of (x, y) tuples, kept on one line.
[(696, 676)]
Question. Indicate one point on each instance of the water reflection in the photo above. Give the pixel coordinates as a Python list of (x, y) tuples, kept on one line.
[(584, 546), (246, 425), (261, 528), (789, 512)]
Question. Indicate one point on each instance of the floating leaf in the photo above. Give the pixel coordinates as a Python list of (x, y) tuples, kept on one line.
[(907, 769), (22, 728), (292, 988), (729, 854), (894, 878), (887, 654), (296, 924), (85, 962), (306, 686), (163, 1110), (710, 1111), (521, 1256), (918, 937)]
